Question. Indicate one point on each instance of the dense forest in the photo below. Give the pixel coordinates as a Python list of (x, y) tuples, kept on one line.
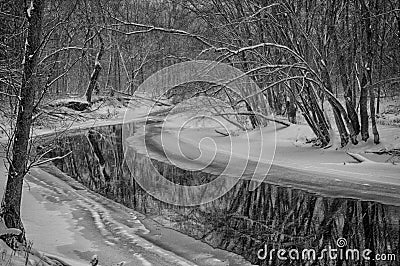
[(309, 57)]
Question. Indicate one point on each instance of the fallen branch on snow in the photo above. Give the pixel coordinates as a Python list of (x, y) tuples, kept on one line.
[(74, 104), (385, 151), (222, 133), (259, 114), (134, 97), (359, 158)]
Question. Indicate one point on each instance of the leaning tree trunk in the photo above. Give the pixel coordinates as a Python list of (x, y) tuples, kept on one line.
[(96, 72), (11, 204), (346, 84), (344, 135), (353, 126), (319, 116)]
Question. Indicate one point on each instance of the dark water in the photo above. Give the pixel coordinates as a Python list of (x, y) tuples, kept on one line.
[(242, 221)]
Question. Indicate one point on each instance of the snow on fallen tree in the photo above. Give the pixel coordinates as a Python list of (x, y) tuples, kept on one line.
[(287, 124), (222, 133), (359, 158), (80, 104), (395, 152), (74, 104)]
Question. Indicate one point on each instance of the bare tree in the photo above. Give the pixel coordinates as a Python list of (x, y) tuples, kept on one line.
[(11, 204)]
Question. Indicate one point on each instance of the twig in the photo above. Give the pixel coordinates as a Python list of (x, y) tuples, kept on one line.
[(10, 95), (50, 160)]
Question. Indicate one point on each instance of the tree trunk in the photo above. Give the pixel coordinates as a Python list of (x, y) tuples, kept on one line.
[(278, 101), (344, 135), (369, 66), (346, 86), (368, 53), (319, 116), (352, 115), (253, 118), (398, 24), (350, 106), (270, 100), (381, 63), (373, 116), (311, 119), (11, 204), (291, 108), (96, 72), (108, 74), (117, 73), (378, 101), (364, 109)]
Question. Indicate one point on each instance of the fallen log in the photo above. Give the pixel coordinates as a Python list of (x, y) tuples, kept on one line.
[(385, 151), (135, 97), (259, 114), (74, 104), (359, 158), (222, 133)]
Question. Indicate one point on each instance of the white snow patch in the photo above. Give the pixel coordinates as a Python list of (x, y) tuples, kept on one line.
[(30, 9)]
